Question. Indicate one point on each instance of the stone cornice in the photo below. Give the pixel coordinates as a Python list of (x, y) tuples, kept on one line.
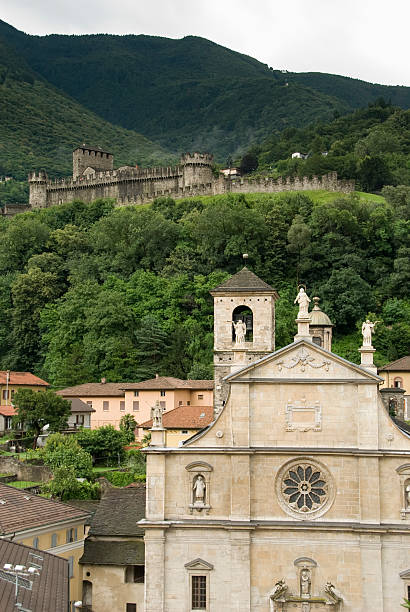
[(308, 381), (253, 525), (278, 450)]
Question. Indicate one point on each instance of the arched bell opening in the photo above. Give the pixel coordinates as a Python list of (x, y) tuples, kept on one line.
[(245, 314)]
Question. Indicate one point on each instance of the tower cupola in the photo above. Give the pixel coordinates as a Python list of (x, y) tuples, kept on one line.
[(320, 326)]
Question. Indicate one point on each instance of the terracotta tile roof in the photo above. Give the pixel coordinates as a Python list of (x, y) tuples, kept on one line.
[(401, 365), (95, 390), (7, 410), (49, 591), (185, 417), (244, 280), (118, 512), (22, 378), (169, 382), (78, 405), (24, 511)]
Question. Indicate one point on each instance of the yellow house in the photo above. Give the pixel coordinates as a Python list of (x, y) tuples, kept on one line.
[(397, 375), (46, 525), (182, 423), (111, 401)]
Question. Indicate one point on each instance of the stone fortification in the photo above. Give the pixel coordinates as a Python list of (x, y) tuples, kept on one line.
[(93, 177)]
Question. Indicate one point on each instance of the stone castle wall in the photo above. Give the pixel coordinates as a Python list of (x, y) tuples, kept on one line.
[(192, 177)]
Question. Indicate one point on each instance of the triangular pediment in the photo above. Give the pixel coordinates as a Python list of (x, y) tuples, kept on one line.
[(303, 360), (199, 564)]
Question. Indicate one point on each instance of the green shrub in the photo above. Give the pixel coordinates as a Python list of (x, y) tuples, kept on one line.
[(123, 479), (64, 451), (65, 486)]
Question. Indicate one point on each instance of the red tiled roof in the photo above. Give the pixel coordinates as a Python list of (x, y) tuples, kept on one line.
[(117, 389), (95, 390), (22, 510), (169, 382), (7, 410), (401, 365), (22, 378), (185, 417)]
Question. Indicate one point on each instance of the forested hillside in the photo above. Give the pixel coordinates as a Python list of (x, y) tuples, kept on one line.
[(92, 290), (371, 145), (40, 125), (190, 93)]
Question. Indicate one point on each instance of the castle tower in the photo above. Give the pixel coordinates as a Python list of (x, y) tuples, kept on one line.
[(197, 169), (246, 300), (38, 189), (320, 326), (91, 157)]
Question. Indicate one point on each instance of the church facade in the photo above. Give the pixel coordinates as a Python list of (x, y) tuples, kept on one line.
[(297, 496)]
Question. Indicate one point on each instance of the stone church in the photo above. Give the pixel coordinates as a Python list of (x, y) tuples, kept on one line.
[(297, 496)]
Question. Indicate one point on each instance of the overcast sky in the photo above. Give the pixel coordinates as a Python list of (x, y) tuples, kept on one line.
[(366, 39)]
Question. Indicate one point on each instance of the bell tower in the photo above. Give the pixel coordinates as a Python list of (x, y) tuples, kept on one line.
[(244, 326)]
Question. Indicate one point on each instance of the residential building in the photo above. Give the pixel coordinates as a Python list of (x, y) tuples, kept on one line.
[(80, 414), (10, 382), (46, 525), (113, 560), (396, 374), (296, 496), (182, 422), (110, 401), (44, 588)]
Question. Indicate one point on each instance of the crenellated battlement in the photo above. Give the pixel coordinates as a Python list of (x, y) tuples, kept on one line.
[(133, 185), (205, 159)]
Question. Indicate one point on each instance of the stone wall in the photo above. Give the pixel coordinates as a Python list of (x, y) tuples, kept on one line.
[(25, 471), (193, 177)]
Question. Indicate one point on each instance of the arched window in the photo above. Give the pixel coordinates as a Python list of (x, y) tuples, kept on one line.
[(398, 382), (317, 340), (245, 314)]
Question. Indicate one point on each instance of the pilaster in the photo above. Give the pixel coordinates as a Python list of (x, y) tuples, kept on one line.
[(154, 588), (240, 571), (371, 564)]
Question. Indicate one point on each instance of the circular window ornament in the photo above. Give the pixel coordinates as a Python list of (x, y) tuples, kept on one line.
[(305, 488)]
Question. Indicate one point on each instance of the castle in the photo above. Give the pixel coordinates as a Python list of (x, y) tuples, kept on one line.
[(94, 177)]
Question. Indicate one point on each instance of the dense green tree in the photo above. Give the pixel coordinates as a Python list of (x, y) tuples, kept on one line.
[(36, 410), (128, 425), (104, 444), (64, 451)]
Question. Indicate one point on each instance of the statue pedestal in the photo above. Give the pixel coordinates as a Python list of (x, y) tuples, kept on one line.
[(303, 329), (366, 361), (157, 436)]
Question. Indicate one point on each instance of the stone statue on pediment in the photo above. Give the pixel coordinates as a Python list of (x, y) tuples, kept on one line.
[(303, 300), (157, 416), (367, 331)]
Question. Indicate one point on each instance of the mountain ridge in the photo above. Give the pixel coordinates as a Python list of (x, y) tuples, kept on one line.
[(189, 93)]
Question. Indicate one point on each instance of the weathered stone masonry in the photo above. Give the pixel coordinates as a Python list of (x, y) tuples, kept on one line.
[(94, 177)]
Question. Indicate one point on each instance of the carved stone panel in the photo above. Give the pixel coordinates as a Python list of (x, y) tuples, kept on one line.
[(299, 416)]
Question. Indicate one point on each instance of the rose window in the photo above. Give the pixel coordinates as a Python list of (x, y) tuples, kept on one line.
[(304, 488)]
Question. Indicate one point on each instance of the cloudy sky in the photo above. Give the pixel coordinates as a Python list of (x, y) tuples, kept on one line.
[(366, 39)]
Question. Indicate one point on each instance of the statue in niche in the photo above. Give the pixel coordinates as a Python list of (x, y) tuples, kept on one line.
[(157, 416), (240, 331), (303, 300), (367, 331), (199, 490), (407, 497), (305, 583)]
